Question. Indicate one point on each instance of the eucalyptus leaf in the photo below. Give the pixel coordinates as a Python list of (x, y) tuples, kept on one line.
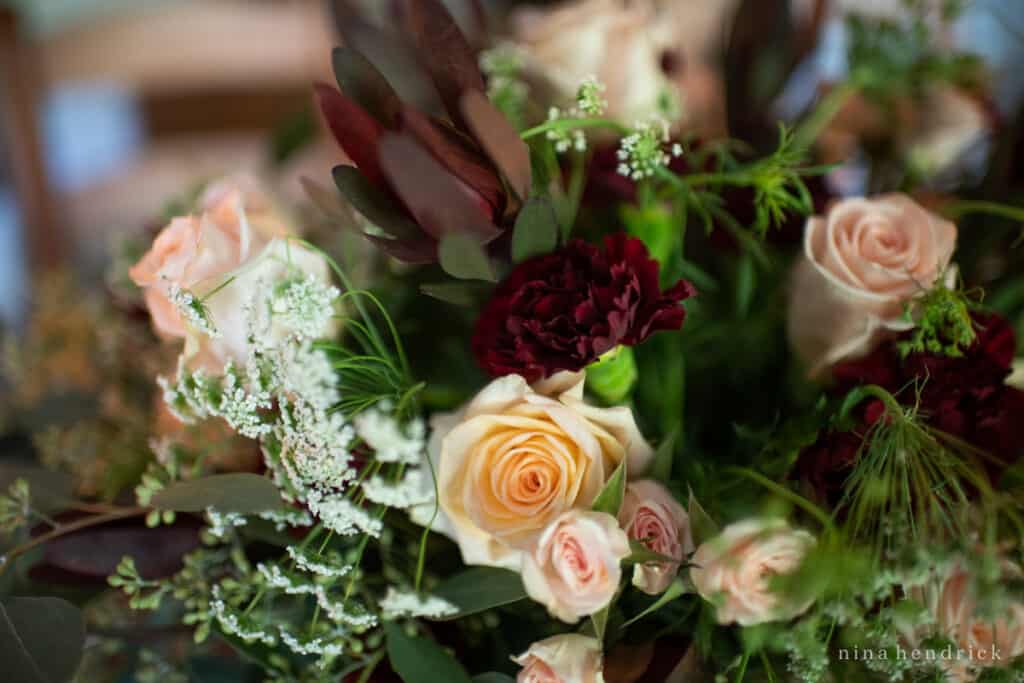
[(457, 293), (421, 660), (481, 588), (41, 640), (536, 230), (609, 500), (676, 589), (49, 491), (242, 493), (463, 256)]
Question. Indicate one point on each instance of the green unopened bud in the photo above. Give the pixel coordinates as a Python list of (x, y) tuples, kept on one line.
[(613, 376)]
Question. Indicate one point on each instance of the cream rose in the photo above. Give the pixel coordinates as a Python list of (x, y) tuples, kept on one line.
[(734, 570), (652, 516), (862, 263), (574, 570), (519, 456), (569, 658), (985, 641), (619, 42)]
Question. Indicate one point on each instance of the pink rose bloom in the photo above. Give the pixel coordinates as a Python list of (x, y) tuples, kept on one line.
[(652, 516), (518, 456), (234, 222), (569, 658), (734, 570), (862, 263), (575, 568), (987, 641)]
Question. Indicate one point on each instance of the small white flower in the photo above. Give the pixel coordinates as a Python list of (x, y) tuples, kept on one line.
[(398, 604), (391, 441), (192, 309), (305, 306), (642, 152), (407, 493), (590, 99)]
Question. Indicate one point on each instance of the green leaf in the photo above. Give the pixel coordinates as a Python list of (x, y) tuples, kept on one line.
[(701, 524), (493, 677), (457, 293), (609, 500), (746, 283), (536, 230), (641, 554), (676, 589), (661, 467), (600, 622), (242, 493), (41, 640), (49, 491), (463, 256), (613, 376), (420, 660), (481, 588)]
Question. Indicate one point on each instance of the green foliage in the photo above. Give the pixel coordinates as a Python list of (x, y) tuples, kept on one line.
[(240, 492), (609, 499), (943, 323), (612, 376), (41, 640), (421, 660), (481, 588), (15, 507), (463, 256), (536, 230)]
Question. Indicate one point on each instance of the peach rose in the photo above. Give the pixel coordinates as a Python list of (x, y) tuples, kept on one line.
[(569, 658), (862, 264), (519, 456), (234, 222), (651, 515), (575, 568), (620, 43), (734, 570), (985, 641)]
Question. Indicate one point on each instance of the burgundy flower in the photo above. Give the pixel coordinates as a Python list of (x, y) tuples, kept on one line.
[(561, 311), (824, 466), (966, 396)]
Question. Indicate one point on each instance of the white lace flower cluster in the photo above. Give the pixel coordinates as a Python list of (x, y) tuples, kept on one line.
[(590, 103), (642, 152)]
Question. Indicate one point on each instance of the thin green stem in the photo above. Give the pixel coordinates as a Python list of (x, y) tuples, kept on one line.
[(571, 124), (742, 673)]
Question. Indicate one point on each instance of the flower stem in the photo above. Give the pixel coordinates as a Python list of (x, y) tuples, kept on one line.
[(569, 124), (7, 559)]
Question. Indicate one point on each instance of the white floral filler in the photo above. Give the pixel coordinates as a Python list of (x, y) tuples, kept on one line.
[(284, 391)]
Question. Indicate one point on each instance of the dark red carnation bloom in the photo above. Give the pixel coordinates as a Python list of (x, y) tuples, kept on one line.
[(824, 466), (561, 311), (966, 397)]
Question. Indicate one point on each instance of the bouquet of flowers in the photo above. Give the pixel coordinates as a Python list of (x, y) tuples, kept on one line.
[(551, 385)]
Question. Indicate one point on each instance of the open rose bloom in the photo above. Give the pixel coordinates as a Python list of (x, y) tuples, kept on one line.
[(234, 244), (734, 570), (569, 658), (863, 262)]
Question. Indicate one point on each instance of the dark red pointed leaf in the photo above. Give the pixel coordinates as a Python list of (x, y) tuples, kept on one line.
[(450, 59), (455, 151), (440, 202), (499, 139), (361, 81), (355, 130), (379, 207)]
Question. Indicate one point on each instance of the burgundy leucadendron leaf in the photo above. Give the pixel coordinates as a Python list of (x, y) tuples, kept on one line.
[(450, 59), (499, 139), (356, 131), (467, 164), (361, 81), (377, 205), (439, 201)]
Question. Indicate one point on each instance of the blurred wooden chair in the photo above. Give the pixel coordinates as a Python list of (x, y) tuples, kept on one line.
[(19, 133)]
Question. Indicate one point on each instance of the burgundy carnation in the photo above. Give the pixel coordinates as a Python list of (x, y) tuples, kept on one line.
[(561, 311), (824, 466), (966, 396)]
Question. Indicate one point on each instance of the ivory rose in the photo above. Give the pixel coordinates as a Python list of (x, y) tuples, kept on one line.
[(619, 42), (519, 456), (569, 658), (221, 256), (986, 641), (862, 263), (651, 515), (734, 570), (574, 569)]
